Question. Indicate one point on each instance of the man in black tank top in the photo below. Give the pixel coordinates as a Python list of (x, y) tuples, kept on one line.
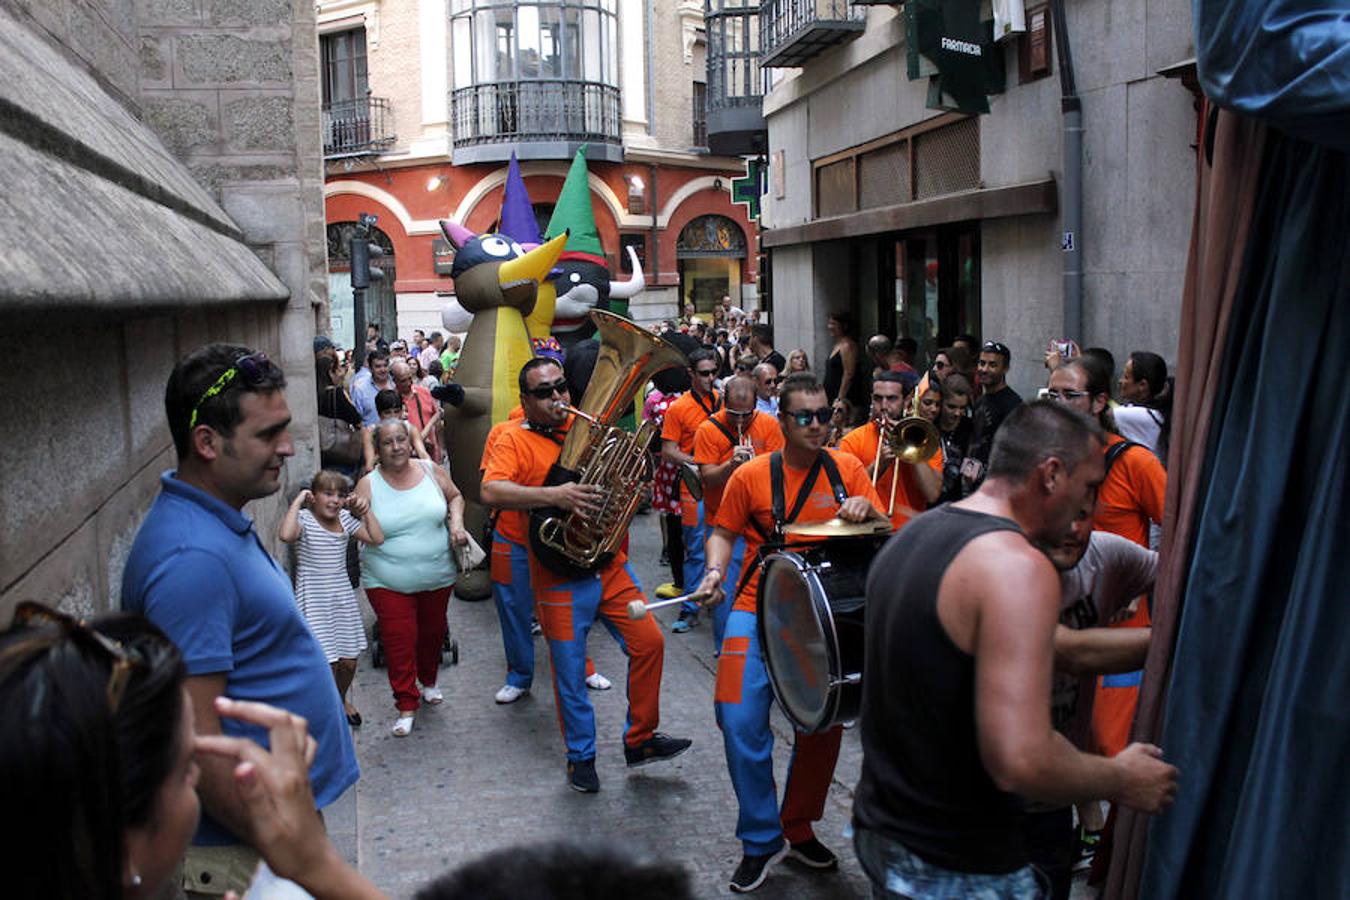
[(956, 730)]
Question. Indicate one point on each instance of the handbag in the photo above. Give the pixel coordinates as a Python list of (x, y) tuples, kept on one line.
[(339, 441), (468, 557)]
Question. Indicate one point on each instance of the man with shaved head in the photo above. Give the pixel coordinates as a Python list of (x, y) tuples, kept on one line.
[(424, 413), (766, 388), (727, 440)]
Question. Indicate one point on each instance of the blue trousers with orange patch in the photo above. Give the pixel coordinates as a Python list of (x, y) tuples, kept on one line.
[(742, 704), (722, 611), (510, 570), (567, 610), (695, 558)]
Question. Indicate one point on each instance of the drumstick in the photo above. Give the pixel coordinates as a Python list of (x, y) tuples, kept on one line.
[(638, 610)]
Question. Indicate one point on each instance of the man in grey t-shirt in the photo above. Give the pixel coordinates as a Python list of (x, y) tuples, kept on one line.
[(1101, 575)]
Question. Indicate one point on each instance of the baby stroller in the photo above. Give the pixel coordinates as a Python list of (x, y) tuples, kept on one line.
[(449, 649)]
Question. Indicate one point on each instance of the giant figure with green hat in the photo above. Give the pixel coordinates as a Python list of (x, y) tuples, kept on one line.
[(581, 276)]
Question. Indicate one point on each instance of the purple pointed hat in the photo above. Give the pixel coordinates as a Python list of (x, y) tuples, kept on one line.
[(518, 221)]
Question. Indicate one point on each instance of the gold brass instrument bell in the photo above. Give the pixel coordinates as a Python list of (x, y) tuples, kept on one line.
[(912, 439), (597, 451)]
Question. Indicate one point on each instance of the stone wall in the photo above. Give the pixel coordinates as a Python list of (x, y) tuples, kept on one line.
[(230, 88)]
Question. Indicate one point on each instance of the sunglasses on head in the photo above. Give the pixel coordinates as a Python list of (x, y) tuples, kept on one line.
[(544, 391), (254, 369), (124, 658), (995, 347), (803, 417)]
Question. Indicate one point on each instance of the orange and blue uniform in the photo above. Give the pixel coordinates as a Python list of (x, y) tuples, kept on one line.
[(568, 607), (682, 421), (714, 443), (743, 693)]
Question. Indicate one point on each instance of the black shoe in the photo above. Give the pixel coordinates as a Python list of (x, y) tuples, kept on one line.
[(752, 871), (581, 776), (656, 748), (813, 853)]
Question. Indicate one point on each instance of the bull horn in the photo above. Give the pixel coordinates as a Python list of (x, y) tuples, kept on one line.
[(456, 233), (627, 290)]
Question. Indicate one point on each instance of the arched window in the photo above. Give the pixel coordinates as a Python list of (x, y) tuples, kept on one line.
[(710, 235)]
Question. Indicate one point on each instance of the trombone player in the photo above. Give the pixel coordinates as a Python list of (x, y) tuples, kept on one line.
[(514, 477), (910, 486)]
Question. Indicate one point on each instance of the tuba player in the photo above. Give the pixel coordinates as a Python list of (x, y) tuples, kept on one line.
[(513, 479)]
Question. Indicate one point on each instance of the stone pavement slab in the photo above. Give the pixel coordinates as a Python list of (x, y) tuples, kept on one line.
[(474, 777)]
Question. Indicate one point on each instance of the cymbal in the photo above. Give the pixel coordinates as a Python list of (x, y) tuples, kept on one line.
[(837, 528)]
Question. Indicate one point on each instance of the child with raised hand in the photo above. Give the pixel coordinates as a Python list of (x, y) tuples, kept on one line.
[(321, 519)]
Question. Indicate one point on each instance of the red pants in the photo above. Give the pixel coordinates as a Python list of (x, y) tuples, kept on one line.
[(412, 629)]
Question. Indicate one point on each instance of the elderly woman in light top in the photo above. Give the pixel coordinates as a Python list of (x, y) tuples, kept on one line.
[(408, 578)]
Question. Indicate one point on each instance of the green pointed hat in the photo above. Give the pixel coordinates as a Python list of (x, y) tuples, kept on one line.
[(573, 211)]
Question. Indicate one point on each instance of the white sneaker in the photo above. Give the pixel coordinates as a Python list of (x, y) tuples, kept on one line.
[(432, 695), (597, 682), (509, 693), (403, 724)]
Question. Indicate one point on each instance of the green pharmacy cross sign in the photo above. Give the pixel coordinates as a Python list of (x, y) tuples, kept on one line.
[(950, 46), (749, 189)]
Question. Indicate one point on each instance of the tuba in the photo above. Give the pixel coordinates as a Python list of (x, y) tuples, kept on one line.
[(596, 451)]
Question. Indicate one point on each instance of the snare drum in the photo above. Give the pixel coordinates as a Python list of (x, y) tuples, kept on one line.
[(810, 611)]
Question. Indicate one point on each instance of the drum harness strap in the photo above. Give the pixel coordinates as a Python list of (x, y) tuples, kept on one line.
[(775, 541), (708, 415)]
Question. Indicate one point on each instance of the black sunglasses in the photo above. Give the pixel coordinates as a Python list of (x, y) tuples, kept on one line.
[(254, 369), (995, 347), (803, 417), (544, 391), (124, 658), (705, 373)]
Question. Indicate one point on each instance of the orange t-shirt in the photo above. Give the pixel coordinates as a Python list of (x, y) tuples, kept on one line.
[(862, 443), (523, 456), (1130, 497), (712, 448), (748, 496), (1132, 494), (683, 417)]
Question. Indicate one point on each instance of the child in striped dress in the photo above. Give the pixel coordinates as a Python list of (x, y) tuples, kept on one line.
[(322, 519)]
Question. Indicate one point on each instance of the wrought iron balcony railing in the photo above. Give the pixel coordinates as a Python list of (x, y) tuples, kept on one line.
[(793, 32), (359, 127), (539, 111)]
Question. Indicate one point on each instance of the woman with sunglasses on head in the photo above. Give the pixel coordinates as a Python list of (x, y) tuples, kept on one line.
[(97, 750), (409, 576), (797, 361)]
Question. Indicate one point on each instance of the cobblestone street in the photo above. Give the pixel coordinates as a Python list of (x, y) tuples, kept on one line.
[(474, 776)]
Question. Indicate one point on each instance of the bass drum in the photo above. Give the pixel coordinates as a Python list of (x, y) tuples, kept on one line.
[(810, 620)]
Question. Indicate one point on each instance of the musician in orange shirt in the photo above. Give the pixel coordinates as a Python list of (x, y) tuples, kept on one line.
[(722, 445), (514, 480), (1130, 498), (682, 420), (920, 483), (816, 484)]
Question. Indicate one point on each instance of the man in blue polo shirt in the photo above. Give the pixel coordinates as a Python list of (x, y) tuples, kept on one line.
[(199, 572)]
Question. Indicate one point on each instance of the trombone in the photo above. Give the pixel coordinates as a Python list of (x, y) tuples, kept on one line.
[(912, 439)]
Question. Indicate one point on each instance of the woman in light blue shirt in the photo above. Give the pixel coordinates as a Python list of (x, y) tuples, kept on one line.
[(408, 578)]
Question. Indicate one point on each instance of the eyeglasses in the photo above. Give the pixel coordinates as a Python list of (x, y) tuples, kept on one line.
[(255, 369), (705, 373), (803, 417), (1057, 395), (743, 413), (544, 391), (124, 658), (995, 347)]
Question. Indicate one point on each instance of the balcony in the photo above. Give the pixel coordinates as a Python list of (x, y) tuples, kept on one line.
[(361, 127), (735, 125), (538, 119), (793, 32)]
